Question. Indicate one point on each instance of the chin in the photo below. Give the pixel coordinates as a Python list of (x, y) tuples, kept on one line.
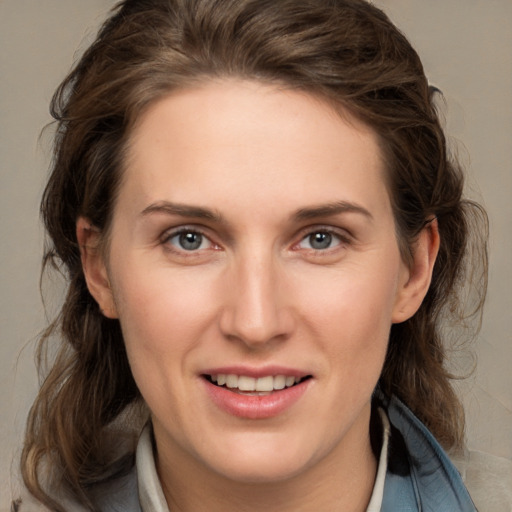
[(256, 465), (265, 473)]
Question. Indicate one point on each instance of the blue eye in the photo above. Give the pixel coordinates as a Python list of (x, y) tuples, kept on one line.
[(320, 241), (189, 241)]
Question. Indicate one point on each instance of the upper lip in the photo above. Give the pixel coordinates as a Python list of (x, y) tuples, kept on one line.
[(257, 372)]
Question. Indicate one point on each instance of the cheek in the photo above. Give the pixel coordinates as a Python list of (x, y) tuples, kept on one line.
[(163, 318), (161, 313), (357, 297), (350, 312)]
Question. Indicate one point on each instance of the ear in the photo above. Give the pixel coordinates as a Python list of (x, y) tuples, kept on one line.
[(94, 267), (417, 276)]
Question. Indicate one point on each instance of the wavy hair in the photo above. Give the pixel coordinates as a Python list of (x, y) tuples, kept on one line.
[(345, 51)]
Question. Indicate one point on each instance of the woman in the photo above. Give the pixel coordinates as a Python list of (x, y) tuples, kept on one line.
[(262, 232)]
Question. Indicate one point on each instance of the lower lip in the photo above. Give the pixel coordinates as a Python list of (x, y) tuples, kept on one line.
[(255, 406)]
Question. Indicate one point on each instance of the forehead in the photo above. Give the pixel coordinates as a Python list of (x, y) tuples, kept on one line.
[(244, 138)]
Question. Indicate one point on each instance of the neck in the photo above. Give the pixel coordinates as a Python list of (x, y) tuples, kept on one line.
[(343, 480)]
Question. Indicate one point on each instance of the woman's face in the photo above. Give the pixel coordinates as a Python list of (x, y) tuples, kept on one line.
[(256, 273)]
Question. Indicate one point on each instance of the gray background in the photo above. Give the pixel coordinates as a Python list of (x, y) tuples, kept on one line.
[(466, 48)]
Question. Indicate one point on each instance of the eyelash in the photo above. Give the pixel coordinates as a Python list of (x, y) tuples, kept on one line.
[(343, 238), (184, 230)]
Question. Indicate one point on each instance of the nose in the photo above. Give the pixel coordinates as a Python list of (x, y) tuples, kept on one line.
[(257, 311)]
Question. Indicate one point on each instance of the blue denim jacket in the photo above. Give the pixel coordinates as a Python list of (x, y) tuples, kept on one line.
[(420, 476)]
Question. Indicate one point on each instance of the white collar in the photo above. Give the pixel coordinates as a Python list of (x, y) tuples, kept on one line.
[(378, 488), (151, 495), (152, 498)]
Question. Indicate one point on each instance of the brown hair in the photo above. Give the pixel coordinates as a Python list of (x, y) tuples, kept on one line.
[(346, 51)]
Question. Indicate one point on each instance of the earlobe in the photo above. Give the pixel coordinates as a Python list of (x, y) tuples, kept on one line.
[(418, 275), (94, 267)]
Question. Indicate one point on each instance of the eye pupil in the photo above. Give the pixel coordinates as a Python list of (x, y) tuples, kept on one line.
[(190, 241), (320, 240)]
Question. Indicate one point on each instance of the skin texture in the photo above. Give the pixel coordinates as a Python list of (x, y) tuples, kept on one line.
[(267, 168)]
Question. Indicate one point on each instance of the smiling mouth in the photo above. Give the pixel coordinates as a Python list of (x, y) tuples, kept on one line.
[(252, 386)]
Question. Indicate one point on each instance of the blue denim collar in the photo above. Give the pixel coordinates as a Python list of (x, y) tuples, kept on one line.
[(420, 475)]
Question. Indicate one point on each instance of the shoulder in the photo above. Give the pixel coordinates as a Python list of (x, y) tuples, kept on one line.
[(119, 495), (27, 503), (488, 479), (420, 473)]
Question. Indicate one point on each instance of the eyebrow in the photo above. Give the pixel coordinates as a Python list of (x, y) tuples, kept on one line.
[(183, 210), (330, 209), (302, 214)]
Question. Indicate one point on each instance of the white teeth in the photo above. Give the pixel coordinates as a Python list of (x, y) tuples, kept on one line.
[(262, 384), (265, 383), (246, 383), (231, 381), (279, 382)]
